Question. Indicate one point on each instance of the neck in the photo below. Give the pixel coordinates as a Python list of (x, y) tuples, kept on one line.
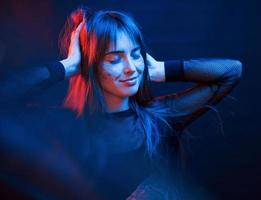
[(116, 104)]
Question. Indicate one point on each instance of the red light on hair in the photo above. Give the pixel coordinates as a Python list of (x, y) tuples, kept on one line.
[(80, 88), (76, 96)]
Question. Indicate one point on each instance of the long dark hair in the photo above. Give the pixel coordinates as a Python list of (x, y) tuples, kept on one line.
[(84, 90)]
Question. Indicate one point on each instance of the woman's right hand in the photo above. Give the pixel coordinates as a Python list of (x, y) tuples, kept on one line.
[(71, 63)]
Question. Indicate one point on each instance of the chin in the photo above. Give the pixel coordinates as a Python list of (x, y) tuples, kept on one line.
[(130, 92)]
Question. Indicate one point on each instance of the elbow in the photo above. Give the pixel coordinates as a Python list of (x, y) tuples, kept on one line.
[(232, 73), (236, 70), (239, 68)]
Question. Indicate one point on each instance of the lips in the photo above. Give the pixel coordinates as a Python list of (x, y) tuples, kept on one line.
[(129, 82), (129, 79)]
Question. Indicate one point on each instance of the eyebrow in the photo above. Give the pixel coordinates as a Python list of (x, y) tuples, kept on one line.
[(121, 51)]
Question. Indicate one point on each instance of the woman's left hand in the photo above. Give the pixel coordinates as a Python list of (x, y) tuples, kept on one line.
[(156, 69)]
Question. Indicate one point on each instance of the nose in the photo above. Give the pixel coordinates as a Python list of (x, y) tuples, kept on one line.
[(129, 67)]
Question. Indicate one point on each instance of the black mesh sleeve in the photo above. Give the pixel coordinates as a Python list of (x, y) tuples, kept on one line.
[(174, 70), (22, 84), (214, 79)]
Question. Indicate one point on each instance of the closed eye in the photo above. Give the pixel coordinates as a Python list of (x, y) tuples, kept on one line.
[(136, 54), (113, 58)]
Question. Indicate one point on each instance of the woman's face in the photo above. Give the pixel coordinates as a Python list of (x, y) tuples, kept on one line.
[(122, 68)]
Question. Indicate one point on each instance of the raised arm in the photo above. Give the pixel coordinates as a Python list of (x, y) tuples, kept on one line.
[(22, 84), (214, 79)]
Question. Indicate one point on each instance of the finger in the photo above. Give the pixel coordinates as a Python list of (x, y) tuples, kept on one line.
[(148, 56), (78, 29), (150, 59), (76, 33), (72, 36)]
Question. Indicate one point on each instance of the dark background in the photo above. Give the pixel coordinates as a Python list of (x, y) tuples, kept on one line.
[(224, 163)]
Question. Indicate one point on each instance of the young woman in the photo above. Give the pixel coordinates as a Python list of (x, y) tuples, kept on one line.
[(121, 143)]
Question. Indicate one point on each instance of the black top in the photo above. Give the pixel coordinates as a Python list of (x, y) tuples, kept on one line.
[(49, 153)]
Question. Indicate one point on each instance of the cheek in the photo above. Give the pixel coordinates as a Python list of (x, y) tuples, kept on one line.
[(140, 69), (139, 65), (109, 73), (140, 61)]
